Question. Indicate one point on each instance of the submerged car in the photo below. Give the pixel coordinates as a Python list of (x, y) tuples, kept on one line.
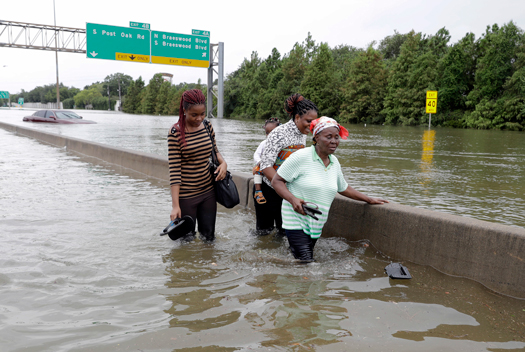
[(56, 116)]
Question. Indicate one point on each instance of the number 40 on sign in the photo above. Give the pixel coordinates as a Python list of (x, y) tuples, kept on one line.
[(432, 99)]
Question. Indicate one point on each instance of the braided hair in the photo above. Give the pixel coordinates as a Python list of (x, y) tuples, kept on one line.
[(296, 104), (272, 120), (189, 98)]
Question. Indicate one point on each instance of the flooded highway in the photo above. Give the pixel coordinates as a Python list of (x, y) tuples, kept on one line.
[(84, 269)]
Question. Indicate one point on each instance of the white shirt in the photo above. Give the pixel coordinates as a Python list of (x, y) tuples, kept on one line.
[(258, 153), (281, 137)]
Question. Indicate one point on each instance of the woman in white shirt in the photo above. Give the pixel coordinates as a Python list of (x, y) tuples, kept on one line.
[(280, 144)]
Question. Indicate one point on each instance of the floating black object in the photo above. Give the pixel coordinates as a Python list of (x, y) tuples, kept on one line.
[(397, 271), (179, 227), (311, 211)]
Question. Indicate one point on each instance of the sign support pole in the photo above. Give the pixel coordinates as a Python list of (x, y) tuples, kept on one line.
[(429, 119), (56, 55), (220, 98), (216, 59)]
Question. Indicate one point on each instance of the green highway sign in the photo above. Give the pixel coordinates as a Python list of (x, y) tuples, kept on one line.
[(139, 25), (144, 45), (20, 101), (4, 94), (199, 32), (180, 49), (117, 43)]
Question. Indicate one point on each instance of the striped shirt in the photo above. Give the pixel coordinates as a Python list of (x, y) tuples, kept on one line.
[(309, 179), (281, 137), (189, 165)]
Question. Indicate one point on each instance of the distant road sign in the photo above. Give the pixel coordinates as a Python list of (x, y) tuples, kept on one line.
[(199, 32), (20, 101), (431, 103), (117, 43), (139, 25), (180, 49), (4, 94)]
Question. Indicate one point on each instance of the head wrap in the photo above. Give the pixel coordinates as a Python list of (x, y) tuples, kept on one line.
[(323, 122)]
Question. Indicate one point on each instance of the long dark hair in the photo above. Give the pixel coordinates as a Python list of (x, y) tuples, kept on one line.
[(189, 98), (296, 104)]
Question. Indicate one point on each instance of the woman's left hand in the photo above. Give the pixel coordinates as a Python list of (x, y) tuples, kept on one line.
[(376, 201), (221, 171)]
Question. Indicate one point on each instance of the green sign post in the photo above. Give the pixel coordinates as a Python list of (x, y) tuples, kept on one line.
[(143, 45), (4, 94), (20, 101), (117, 43)]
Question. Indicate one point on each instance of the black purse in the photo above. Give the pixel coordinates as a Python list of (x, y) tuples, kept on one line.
[(226, 192)]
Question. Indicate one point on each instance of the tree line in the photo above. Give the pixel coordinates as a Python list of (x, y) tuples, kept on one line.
[(480, 82), (159, 97)]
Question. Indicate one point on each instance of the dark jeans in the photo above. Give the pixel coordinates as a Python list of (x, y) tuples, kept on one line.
[(301, 245), (203, 208), (268, 215)]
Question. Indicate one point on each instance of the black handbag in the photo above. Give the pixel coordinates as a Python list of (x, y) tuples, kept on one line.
[(226, 192)]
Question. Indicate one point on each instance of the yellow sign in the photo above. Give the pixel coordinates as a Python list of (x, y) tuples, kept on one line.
[(432, 94), (132, 57), (431, 104), (179, 62)]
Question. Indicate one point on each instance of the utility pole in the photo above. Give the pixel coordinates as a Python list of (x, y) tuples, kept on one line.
[(109, 100), (56, 54), (119, 96)]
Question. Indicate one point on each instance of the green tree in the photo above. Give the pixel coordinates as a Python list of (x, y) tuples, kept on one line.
[(413, 73), (390, 46), (365, 89), (113, 81), (495, 105), (317, 84), (132, 103), (396, 103), (86, 97), (162, 98), (457, 74)]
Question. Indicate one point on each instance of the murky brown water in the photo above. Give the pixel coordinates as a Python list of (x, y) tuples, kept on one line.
[(82, 267)]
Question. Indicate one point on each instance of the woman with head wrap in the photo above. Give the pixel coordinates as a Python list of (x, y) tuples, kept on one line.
[(281, 143), (189, 149), (313, 175)]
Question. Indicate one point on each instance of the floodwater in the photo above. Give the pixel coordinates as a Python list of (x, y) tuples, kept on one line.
[(474, 173), (82, 267)]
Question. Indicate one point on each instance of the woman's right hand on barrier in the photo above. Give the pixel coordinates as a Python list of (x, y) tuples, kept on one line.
[(175, 213)]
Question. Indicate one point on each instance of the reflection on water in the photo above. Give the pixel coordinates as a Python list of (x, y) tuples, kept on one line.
[(429, 136), (84, 269)]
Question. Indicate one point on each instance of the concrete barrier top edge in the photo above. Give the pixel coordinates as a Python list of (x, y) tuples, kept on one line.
[(437, 215), (23, 128)]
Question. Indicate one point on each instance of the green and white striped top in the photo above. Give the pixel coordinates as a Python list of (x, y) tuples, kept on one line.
[(307, 178)]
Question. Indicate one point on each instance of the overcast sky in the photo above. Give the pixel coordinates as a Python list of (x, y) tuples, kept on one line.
[(243, 26)]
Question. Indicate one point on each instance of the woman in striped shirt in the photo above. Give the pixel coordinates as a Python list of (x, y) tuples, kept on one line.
[(189, 151), (313, 175)]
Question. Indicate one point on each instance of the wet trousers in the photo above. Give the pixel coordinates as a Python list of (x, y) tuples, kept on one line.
[(268, 215), (301, 245), (202, 208)]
